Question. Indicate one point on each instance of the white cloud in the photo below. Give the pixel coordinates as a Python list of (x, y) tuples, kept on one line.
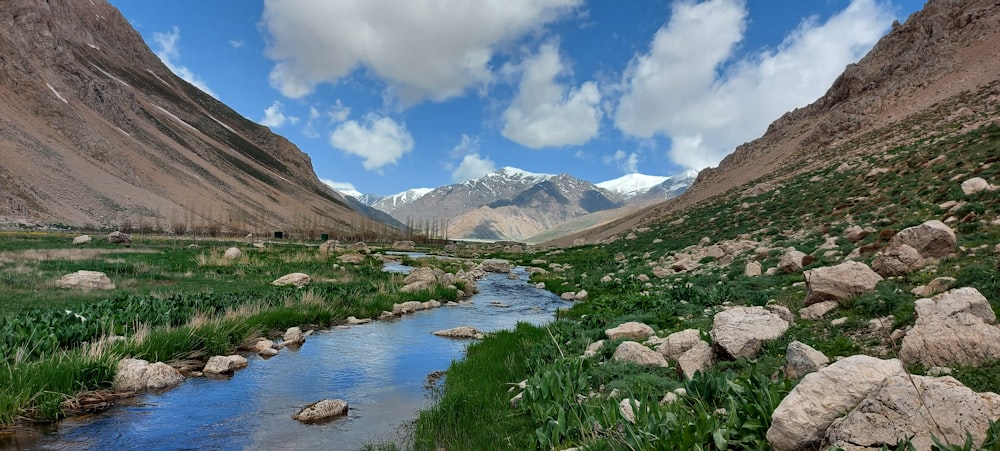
[(170, 53), (339, 112), (342, 187), (310, 129), (627, 162), (237, 43), (422, 49), (676, 90), (547, 114), (472, 166), (274, 117), (379, 140)]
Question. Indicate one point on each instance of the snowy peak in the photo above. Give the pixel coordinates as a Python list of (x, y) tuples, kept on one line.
[(634, 184), (512, 173)]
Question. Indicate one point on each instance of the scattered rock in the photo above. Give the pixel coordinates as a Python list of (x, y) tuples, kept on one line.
[(82, 239), (232, 253), (296, 279), (801, 419), (975, 185), (355, 321), (593, 349), (856, 233), (753, 269), (264, 348), (740, 331), (225, 364), (678, 343), (137, 375), (293, 336), (630, 351), (781, 311), (913, 248), (351, 258), (359, 247), (404, 245), (495, 265), (580, 295), (937, 286), (625, 408), (834, 283), (700, 357), (329, 246), (322, 410), (817, 311), (801, 359), (630, 330), (839, 321), (460, 332), (955, 328), (793, 261), (118, 237), (86, 280)]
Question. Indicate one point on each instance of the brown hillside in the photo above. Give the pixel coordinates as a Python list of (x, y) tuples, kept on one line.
[(935, 75), (96, 130)]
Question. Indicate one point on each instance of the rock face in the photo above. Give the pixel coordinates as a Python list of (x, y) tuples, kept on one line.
[(232, 253), (137, 375), (740, 331), (801, 420), (86, 280), (911, 248), (630, 351), (954, 328), (460, 332), (82, 239), (296, 279), (801, 359), (225, 364), (630, 330), (678, 343), (700, 357), (913, 408), (322, 410), (833, 283)]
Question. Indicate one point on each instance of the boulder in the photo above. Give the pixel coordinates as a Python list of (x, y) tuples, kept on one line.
[(351, 258), (296, 279), (293, 336), (329, 246), (781, 311), (581, 295), (930, 240), (224, 364), (118, 237), (975, 185), (86, 280), (914, 408), (82, 239), (630, 351), (322, 410), (360, 247), (420, 275), (355, 321), (625, 408), (495, 265), (834, 283), (137, 375), (700, 357), (404, 245), (955, 328), (232, 253), (937, 286), (753, 269), (801, 419), (801, 359), (593, 349), (678, 343), (630, 330), (856, 233), (460, 332), (897, 260), (416, 286), (793, 261), (740, 331), (264, 348)]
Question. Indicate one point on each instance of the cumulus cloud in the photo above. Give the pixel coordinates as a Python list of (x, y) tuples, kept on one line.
[(378, 140), (274, 117), (627, 162), (473, 164), (170, 53), (547, 114), (423, 50), (689, 88)]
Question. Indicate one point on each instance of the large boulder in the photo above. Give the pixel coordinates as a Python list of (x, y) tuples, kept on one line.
[(86, 280), (678, 343), (833, 283), (630, 330), (293, 336), (232, 253), (930, 240), (630, 351), (224, 364), (117, 237), (82, 239), (801, 359), (801, 419), (793, 260), (137, 375), (329, 246), (495, 265), (914, 408), (460, 332), (428, 275), (296, 279), (404, 245), (322, 410), (740, 331), (975, 185), (955, 328), (700, 357)]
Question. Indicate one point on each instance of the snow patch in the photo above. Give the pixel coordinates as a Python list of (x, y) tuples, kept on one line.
[(158, 77), (175, 118), (56, 93), (224, 125), (123, 131), (632, 184), (108, 74), (93, 46)]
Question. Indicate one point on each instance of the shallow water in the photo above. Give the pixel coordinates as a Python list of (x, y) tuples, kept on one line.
[(379, 368)]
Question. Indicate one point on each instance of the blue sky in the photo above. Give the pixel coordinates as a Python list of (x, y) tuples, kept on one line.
[(388, 95)]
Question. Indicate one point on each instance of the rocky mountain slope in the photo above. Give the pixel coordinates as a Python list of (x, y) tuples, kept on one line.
[(96, 131), (933, 76)]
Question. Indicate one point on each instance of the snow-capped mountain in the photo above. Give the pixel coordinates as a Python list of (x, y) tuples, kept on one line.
[(631, 185), (389, 204)]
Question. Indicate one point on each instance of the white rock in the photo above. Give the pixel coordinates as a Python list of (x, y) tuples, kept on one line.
[(631, 330), (630, 351), (322, 410), (296, 279), (86, 280), (740, 331)]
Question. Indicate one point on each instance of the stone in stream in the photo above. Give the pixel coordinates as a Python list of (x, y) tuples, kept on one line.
[(322, 410), (459, 332)]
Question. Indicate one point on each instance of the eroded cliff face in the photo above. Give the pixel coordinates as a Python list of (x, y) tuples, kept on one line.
[(95, 130), (934, 75)]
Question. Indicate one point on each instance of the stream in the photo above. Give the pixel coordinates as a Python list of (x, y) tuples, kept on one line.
[(379, 368)]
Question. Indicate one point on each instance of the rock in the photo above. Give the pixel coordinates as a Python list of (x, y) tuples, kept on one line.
[(678, 343), (593, 349), (793, 261), (82, 239), (975, 185), (625, 408), (753, 269), (619, 257), (117, 237), (630, 351), (781, 311), (801, 419), (136, 375), (516, 400), (86, 280), (834, 283), (839, 321), (224, 364), (293, 336), (322, 410), (937, 286), (700, 357), (914, 408), (567, 296), (580, 295), (630, 330), (740, 331), (896, 261), (460, 332), (800, 359), (359, 247), (855, 233), (329, 246), (351, 258), (354, 321), (296, 279), (817, 311), (495, 265), (930, 240), (264, 348), (955, 328), (404, 245), (232, 253)]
